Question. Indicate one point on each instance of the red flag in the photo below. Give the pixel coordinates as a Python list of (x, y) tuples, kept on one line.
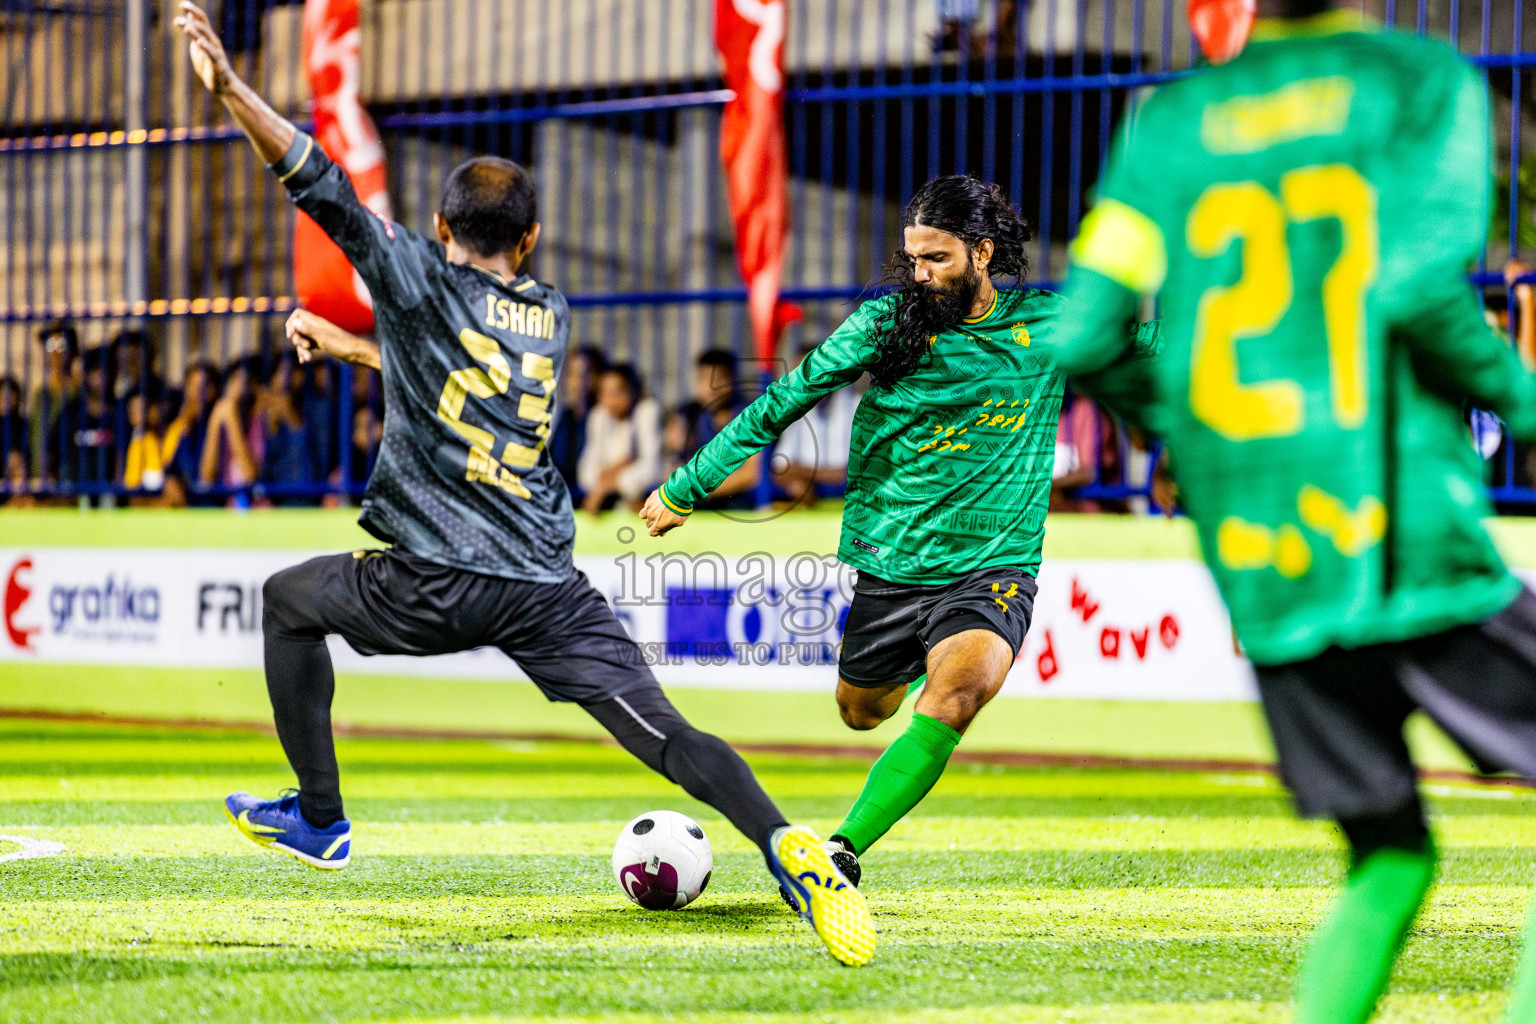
[(1222, 26), (325, 282), (750, 37)]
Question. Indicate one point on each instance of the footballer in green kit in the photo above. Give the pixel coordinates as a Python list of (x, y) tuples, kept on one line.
[(1306, 214), (949, 476)]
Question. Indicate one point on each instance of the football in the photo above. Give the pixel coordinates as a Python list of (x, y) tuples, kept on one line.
[(662, 860)]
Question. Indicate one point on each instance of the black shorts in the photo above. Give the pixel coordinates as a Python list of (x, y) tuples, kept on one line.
[(1337, 719), (892, 626), (564, 635)]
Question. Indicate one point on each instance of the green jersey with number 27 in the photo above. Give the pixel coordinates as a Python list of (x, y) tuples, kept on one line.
[(1307, 214)]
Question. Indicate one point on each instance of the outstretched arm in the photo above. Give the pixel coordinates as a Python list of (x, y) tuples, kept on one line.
[(1118, 256), (1103, 358), (315, 335), (270, 133), (392, 261), (838, 361)]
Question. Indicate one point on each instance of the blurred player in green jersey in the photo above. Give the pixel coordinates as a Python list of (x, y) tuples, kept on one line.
[(949, 475), (1307, 213)]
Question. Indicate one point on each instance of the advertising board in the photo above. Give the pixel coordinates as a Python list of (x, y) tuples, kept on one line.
[(1103, 629)]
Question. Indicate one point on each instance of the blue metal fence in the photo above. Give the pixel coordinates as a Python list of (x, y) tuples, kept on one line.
[(127, 204)]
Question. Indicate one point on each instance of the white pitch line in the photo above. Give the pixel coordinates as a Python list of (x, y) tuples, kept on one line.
[(30, 848)]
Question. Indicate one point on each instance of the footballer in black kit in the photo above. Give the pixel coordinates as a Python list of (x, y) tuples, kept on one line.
[(477, 517), (469, 365)]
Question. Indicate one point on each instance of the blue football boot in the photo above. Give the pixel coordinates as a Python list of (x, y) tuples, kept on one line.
[(278, 825)]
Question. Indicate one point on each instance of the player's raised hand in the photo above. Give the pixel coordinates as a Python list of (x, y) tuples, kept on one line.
[(309, 334), (658, 518), (295, 327), (314, 336), (208, 58)]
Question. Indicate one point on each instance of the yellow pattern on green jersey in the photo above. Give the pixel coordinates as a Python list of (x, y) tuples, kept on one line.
[(949, 470)]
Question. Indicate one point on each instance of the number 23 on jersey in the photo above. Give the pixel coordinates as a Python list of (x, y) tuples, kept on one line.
[(486, 381)]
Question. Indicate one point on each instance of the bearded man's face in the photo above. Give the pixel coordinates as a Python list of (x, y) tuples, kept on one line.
[(944, 274)]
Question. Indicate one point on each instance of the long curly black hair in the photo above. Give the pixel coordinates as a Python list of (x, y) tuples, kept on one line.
[(972, 210)]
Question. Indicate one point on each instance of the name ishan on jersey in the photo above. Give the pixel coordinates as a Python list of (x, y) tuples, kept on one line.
[(519, 317)]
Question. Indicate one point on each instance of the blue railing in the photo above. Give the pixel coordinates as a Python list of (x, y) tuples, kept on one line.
[(619, 120)]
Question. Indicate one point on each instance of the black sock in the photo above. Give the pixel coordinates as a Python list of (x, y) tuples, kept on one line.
[(301, 683), (708, 769)]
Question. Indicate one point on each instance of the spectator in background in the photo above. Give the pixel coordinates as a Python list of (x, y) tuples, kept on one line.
[(228, 460), (1496, 310), (185, 436), (13, 437), (713, 402), (366, 391), (1142, 457), (622, 458), (1525, 312), (50, 430), (578, 393), (961, 18), (1488, 436), (144, 458), (318, 411), (91, 439), (813, 451), (367, 424), (713, 399), (1086, 452), (329, 438), (367, 433), (279, 439), (133, 365)]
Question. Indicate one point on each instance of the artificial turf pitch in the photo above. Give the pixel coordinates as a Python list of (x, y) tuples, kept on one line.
[(480, 888)]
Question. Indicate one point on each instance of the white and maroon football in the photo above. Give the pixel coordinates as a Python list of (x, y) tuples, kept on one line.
[(662, 860)]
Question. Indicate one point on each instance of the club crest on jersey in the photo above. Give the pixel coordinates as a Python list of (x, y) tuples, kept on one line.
[(1021, 334)]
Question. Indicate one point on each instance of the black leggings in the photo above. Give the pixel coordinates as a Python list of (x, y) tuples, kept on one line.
[(647, 725), (301, 685)]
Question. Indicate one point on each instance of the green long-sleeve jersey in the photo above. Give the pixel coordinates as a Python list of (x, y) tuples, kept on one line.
[(1307, 214), (949, 469)]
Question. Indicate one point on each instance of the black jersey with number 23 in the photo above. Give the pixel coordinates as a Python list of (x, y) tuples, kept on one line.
[(469, 368)]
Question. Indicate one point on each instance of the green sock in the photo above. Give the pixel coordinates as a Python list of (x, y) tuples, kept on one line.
[(903, 776), (1522, 997), (1351, 956)]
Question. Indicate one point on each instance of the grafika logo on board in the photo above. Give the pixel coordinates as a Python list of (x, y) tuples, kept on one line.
[(112, 609)]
